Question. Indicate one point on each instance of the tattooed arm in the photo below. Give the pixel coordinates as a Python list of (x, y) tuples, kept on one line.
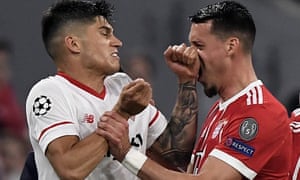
[(175, 145)]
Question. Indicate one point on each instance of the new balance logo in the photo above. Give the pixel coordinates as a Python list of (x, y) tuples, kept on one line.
[(89, 118)]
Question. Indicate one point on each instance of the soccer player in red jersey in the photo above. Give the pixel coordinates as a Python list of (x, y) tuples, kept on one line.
[(246, 134)]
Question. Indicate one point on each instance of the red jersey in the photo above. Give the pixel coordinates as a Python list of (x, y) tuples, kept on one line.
[(295, 126), (250, 132)]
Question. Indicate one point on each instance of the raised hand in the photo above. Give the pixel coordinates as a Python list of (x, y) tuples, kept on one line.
[(134, 98), (183, 61)]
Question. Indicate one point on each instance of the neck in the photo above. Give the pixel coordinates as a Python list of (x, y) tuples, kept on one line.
[(238, 78)]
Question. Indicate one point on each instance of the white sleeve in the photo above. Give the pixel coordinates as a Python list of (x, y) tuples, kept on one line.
[(157, 125), (49, 114)]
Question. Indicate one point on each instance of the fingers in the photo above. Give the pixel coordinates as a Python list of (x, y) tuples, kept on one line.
[(178, 53), (112, 127), (115, 129), (138, 85), (190, 56), (134, 98), (181, 54), (184, 61), (139, 91)]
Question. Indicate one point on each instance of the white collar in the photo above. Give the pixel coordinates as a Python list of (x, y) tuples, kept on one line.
[(223, 105)]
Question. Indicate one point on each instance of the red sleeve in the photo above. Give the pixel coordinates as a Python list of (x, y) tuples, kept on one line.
[(256, 137)]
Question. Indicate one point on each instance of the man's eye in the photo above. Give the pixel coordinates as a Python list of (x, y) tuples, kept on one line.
[(199, 46), (104, 33)]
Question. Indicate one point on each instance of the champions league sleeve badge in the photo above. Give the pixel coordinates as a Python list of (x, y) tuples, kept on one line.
[(41, 105), (248, 129)]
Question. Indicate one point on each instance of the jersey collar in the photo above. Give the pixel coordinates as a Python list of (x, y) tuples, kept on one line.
[(223, 105), (100, 95)]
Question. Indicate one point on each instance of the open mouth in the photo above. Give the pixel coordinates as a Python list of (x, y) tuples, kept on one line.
[(115, 54)]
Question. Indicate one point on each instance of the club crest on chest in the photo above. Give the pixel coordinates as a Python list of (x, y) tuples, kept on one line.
[(219, 128)]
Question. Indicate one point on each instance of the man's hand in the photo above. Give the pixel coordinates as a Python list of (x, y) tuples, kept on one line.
[(114, 128), (134, 98), (183, 61)]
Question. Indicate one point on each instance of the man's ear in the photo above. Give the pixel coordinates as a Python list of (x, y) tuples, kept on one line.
[(72, 44), (232, 44)]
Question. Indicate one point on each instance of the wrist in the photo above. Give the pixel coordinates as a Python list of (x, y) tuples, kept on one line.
[(183, 80), (134, 160), (119, 110), (187, 85)]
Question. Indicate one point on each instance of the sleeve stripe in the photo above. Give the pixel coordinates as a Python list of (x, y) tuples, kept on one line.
[(52, 126), (295, 126), (296, 112), (235, 163), (154, 118)]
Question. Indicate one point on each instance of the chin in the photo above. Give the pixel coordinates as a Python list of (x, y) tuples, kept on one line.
[(115, 69)]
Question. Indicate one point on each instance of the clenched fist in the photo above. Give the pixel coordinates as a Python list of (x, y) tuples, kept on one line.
[(134, 98), (183, 61)]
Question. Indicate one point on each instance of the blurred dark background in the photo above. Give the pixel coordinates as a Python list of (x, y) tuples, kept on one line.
[(148, 27)]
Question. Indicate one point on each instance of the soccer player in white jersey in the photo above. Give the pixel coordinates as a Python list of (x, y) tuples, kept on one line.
[(295, 127), (63, 110), (246, 134)]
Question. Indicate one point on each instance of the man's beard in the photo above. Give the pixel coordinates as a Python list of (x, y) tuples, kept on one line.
[(210, 91)]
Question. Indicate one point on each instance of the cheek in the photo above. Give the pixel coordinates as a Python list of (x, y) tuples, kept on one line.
[(212, 65)]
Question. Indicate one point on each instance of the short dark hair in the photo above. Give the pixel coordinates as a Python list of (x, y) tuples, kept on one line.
[(228, 18), (70, 11)]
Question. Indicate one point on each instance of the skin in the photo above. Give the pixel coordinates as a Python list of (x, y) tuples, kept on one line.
[(173, 148), (225, 66), (177, 141), (225, 69), (92, 52), (88, 54)]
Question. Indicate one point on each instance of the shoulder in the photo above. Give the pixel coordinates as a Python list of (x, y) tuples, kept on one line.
[(117, 79), (259, 108), (119, 76), (259, 101), (47, 87), (49, 84)]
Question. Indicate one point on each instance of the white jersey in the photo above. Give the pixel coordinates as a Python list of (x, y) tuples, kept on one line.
[(58, 106)]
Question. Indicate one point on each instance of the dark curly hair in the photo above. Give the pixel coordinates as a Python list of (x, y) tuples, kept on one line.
[(229, 18), (71, 11)]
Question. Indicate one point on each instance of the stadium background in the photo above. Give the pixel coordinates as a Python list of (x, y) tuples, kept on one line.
[(151, 26)]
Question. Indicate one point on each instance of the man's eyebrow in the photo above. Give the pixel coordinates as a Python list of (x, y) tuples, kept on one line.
[(107, 28)]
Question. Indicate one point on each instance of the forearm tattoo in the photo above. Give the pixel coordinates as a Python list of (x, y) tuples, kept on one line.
[(177, 141)]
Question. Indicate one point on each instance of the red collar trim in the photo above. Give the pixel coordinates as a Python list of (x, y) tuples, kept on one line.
[(100, 95)]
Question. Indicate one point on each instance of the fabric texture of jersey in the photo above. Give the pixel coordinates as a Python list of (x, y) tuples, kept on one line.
[(59, 105), (250, 132), (295, 127)]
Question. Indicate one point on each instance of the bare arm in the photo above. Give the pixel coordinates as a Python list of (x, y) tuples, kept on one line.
[(213, 169), (115, 129), (73, 158), (176, 143)]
